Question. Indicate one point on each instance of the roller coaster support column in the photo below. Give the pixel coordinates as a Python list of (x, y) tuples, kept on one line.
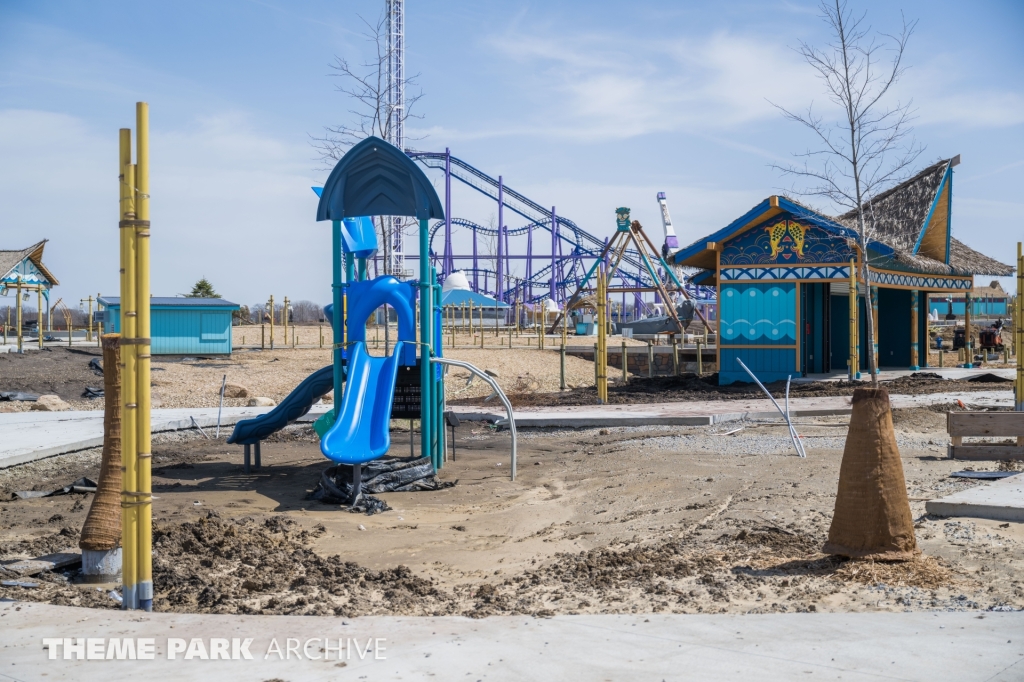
[(554, 253), (476, 265), (449, 262), (501, 232)]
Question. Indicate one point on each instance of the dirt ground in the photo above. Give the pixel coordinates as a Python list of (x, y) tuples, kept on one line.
[(623, 520), (530, 377)]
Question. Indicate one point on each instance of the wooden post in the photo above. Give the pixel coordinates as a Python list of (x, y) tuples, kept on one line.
[(874, 316), (561, 366), (968, 354), (17, 304), (675, 355), (602, 338), (650, 359), (625, 364), (915, 301), (263, 336), (1018, 333), (853, 298), (272, 312)]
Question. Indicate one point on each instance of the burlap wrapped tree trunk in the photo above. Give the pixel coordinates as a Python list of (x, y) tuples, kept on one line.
[(872, 516), (102, 529)]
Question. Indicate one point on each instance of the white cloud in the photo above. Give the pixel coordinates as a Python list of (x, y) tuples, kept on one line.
[(702, 84), (229, 202)]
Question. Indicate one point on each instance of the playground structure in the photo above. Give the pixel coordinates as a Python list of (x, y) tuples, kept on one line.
[(373, 178)]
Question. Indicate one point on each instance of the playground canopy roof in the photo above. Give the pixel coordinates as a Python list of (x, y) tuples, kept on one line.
[(11, 260), (911, 225), (377, 178), (465, 296)]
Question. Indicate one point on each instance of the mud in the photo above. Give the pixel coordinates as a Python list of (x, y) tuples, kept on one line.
[(628, 520), (705, 387)]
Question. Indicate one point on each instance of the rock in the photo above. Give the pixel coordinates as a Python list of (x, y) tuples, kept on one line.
[(491, 372), (8, 407), (261, 402), (50, 403), (236, 391)]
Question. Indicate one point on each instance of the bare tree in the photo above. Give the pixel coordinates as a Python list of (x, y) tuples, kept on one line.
[(366, 86), (306, 312), (869, 147)]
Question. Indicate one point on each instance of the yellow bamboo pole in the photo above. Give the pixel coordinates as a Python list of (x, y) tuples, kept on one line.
[(144, 472), (129, 513), (39, 315), (854, 332), (1018, 331)]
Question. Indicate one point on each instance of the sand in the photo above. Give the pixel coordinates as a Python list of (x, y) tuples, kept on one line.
[(598, 521)]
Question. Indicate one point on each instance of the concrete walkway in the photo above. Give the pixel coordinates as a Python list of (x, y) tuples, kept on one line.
[(890, 374), (930, 647), (1002, 500), (697, 413), (28, 436)]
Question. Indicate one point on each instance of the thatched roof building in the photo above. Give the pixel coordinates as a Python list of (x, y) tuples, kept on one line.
[(786, 286)]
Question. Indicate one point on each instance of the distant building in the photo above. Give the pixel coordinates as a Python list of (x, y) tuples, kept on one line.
[(179, 325), (26, 265), (989, 301), (782, 271)]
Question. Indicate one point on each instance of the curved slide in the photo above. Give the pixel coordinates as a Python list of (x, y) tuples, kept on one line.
[(298, 402), (361, 432)]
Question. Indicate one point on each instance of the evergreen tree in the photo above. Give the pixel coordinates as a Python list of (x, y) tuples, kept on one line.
[(203, 289)]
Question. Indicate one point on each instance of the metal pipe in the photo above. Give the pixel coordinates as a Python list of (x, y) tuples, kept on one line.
[(785, 413), (497, 390)]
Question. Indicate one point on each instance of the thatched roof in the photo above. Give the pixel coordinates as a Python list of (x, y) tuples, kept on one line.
[(897, 218), (10, 260), (897, 215), (967, 261)]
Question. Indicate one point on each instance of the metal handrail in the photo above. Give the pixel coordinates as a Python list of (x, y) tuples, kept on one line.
[(497, 390)]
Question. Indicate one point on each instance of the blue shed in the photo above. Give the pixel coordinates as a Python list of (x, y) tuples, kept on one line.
[(181, 326)]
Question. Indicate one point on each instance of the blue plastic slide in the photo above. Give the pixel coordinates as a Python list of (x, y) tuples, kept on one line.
[(361, 432), (315, 386)]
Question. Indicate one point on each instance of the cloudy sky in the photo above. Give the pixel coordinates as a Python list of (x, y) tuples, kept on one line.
[(583, 105)]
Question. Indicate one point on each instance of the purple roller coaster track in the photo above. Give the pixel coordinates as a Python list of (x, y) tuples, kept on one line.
[(555, 275)]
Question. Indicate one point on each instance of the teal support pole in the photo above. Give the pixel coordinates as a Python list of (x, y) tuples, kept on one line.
[(426, 340), (362, 269), (337, 322)]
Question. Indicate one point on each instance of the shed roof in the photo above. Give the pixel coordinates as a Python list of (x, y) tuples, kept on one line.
[(175, 302), (10, 259)]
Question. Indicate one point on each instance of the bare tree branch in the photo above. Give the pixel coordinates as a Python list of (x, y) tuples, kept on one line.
[(869, 147), (365, 86)]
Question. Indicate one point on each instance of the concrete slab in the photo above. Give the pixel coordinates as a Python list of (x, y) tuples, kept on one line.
[(1001, 500), (28, 436), (698, 413), (890, 374), (932, 647)]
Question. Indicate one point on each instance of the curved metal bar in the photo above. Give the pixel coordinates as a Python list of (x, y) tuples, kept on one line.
[(497, 390)]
